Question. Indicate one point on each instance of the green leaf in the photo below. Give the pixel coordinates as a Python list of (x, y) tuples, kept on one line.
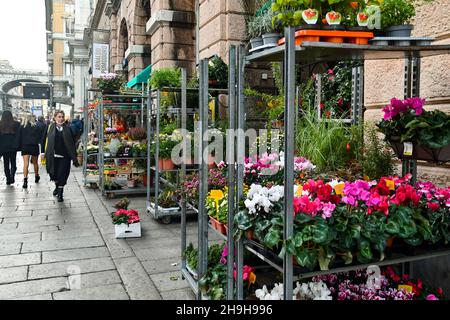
[(324, 257), (272, 238), (320, 233), (307, 258), (392, 226), (289, 247), (243, 221), (303, 218), (364, 249), (355, 231), (414, 241)]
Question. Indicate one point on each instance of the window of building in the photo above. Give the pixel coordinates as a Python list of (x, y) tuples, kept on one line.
[(69, 26), (68, 69)]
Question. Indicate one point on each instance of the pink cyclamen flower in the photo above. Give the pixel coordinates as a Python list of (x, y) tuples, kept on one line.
[(431, 297)]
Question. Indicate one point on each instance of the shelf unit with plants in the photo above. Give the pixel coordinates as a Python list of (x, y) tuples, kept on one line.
[(288, 229), (122, 144)]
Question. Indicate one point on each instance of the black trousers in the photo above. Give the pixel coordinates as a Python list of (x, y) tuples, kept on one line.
[(62, 171), (9, 161)]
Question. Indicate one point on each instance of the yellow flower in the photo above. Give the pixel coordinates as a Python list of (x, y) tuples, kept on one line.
[(390, 184), (339, 189)]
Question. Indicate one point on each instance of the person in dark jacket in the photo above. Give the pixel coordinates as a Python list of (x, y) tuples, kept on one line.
[(42, 128), (30, 137), (9, 144), (59, 153)]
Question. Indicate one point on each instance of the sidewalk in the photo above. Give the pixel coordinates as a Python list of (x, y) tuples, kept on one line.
[(51, 250)]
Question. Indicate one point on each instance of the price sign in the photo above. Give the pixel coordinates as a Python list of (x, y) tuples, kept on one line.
[(407, 149)]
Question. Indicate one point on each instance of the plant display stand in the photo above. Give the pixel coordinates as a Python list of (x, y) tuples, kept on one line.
[(90, 143), (291, 53), (117, 168)]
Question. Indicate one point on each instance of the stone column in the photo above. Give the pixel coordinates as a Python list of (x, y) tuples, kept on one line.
[(172, 32)]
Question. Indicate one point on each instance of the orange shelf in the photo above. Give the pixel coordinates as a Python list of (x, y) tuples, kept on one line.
[(355, 37)]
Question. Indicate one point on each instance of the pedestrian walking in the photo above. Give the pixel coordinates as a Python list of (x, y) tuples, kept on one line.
[(30, 137), (42, 129), (59, 153), (9, 144)]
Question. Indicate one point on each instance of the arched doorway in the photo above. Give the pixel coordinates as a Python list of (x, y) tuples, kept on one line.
[(123, 46)]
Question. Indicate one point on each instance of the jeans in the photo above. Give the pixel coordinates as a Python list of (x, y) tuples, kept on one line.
[(9, 161)]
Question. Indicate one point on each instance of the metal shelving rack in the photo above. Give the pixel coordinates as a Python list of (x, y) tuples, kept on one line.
[(290, 55), (91, 119), (122, 106), (153, 130)]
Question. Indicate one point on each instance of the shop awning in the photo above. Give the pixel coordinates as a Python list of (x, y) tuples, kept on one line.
[(141, 78)]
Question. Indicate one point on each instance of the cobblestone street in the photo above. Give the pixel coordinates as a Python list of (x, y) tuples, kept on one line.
[(59, 251)]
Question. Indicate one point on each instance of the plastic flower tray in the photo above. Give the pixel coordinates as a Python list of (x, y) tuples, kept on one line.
[(355, 37)]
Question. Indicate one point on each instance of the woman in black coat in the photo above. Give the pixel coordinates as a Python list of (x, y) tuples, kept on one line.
[(9, 144), (59, 142), (30, 137)]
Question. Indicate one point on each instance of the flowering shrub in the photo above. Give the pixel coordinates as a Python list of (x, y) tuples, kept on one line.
[(123, 216)]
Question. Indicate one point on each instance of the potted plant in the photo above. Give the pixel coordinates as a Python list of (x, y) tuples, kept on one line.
[(167, 201), (395, 17), (270, 35), (218, 73), (127, 223), (137, 134), (166, 144), (427, 133), (110, 82), (254, 32), (310, 16)]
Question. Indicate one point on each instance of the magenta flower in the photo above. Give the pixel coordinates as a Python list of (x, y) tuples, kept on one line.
[(431, 297)]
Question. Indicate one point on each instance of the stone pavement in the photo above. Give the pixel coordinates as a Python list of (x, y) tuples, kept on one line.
[(61, 251)]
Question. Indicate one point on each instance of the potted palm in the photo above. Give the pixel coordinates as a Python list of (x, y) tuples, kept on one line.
[(395, 17)]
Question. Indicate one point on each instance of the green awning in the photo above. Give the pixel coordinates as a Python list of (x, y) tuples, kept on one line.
[(141, 78)]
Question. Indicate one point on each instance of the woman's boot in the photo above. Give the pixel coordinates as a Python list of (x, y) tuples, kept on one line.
[(37, 178), (25, 183), (60, 194)]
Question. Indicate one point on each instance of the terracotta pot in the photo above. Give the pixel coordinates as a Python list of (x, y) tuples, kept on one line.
[(389, 243), (221, 228), (166, 164)]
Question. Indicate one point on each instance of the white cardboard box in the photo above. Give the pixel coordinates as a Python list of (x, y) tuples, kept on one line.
[(128, 230)]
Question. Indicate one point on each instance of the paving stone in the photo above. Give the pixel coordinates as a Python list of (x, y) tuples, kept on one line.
[(24, 219), (9, 248), (14, 214), (25, 237), (20, 260), (45, 212), (37, 224), (8, 227), (74, 254), (66, 219), (111, 292), (39, 206), (8, 209), (57, 269), (32, 288), (97, 279), (136, 280), (169, 281), (34, 229), (47, 296), (15, 274), (181, 294), (118, 248), (157, 253), (49, 245), (162, 265), (67, 234)]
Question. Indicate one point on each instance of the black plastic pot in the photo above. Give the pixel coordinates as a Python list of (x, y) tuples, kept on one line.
[(399, 31), (271, 38), (439, 155)]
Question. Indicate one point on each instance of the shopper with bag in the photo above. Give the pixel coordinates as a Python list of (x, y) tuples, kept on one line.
[(30, 137), (9, 144), (59, 153)]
